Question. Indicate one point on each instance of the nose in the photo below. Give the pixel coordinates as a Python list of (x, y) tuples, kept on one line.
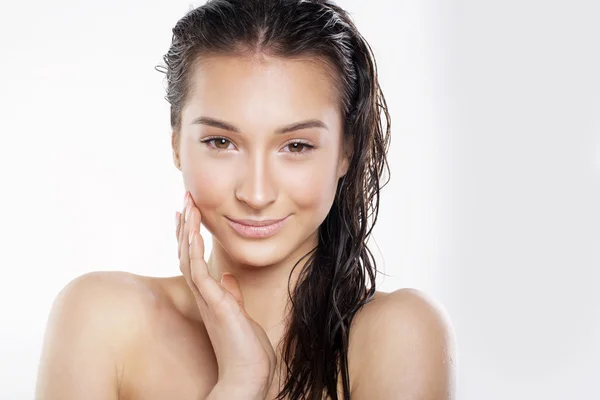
[(255, 185)]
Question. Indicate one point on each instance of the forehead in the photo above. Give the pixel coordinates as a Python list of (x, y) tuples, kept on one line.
[(266, 89)]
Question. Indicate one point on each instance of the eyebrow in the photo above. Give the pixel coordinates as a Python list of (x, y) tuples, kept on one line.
[(310, 123)]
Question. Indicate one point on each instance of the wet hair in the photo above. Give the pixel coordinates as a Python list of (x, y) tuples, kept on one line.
[(332, 286)]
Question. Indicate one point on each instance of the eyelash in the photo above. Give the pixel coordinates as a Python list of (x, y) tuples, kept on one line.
[(309, 147)]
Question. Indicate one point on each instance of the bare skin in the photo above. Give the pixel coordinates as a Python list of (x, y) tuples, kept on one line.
[(180, 363), (115, 335)]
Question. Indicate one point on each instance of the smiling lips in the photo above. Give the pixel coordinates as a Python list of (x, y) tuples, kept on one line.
[(256, 229)]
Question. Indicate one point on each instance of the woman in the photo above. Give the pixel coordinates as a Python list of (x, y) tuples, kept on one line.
[(276, 119)]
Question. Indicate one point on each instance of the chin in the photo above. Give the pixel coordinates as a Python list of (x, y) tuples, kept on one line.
[(254, 253)]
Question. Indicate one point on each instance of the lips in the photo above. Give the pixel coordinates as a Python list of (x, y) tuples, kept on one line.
[(257, 229), (252, 222)]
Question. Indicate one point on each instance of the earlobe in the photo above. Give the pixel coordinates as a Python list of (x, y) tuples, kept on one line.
[(343, 169), (176, 160), (345, 161)]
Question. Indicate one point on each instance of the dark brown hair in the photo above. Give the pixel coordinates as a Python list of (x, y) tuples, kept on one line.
[(332, 286)]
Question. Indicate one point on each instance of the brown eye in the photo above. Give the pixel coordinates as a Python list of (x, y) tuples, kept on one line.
[(221, 143), (218, 143), (298, 147)]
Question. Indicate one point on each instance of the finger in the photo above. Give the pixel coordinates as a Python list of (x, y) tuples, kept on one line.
[(196, 209), (229, 282), (180, 233), (221, 302), (184, 265), (188, 222), (177, 224), (209, 290)]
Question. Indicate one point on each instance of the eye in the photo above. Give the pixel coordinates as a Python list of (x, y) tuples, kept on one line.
[(219, 143), (299, 147)]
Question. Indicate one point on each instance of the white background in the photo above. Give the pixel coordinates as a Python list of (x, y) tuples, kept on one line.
[(493, 207)]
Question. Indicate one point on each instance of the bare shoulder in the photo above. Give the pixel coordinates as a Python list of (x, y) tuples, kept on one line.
[(92, 322), (110, 297), (407, 348)]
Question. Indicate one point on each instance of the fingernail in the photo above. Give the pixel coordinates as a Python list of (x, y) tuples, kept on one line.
[(177, 218), (190, 237), (185, 198)]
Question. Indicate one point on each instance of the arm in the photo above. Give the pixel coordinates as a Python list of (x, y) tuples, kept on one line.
[(83, 342), (411, 351)]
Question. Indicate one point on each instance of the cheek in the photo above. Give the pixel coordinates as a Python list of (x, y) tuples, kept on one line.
[(311, 188), (208, 183)]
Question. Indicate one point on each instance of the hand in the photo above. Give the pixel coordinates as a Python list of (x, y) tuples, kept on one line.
[(244, 353)]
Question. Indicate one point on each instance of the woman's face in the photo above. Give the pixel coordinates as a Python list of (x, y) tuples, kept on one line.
[(242, 159)]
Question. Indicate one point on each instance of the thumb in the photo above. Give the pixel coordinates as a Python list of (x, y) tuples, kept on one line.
[(230, 283)]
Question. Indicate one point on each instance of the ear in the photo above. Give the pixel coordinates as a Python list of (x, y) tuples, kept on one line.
[(175, 145), (347, 151)]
